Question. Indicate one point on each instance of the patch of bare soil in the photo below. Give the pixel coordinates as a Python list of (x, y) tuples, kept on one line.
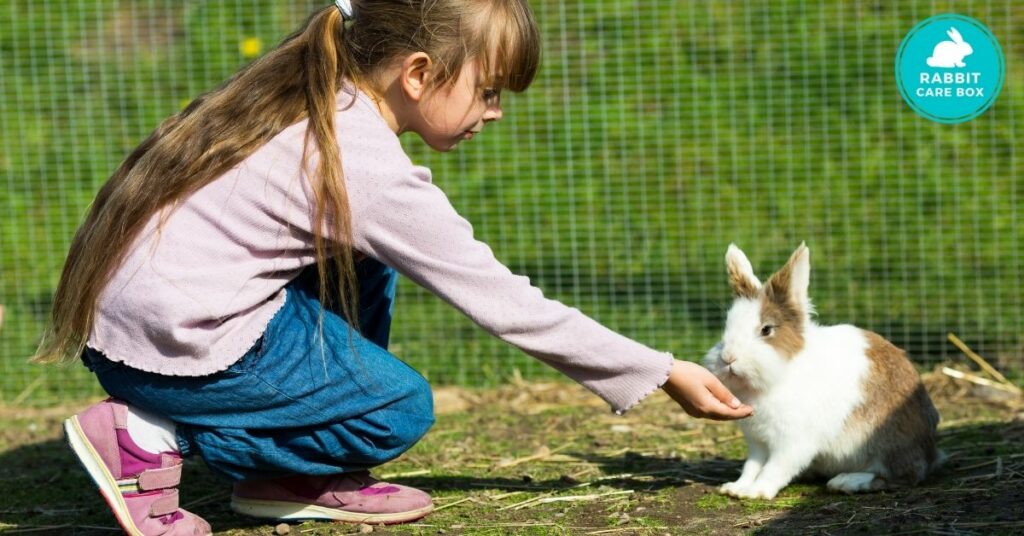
[(980, 489), (549, 458)]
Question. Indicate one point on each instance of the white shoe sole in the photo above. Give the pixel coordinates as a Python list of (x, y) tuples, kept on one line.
[(290, 510), (93, 464)]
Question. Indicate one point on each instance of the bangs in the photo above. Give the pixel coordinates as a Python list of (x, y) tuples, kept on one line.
[(510, 51)]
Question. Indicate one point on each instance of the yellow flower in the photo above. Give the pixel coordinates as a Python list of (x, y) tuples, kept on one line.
[(251, 47)]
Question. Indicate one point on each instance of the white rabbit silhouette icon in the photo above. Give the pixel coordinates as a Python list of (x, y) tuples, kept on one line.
[(950, 53)]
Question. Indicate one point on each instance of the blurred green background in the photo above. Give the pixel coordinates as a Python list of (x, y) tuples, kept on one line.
[(656, 134)]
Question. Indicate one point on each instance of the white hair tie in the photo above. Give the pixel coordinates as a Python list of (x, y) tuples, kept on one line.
[(345, 7)]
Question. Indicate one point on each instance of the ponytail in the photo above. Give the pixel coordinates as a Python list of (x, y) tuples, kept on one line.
[(298, 80), (325, 66)]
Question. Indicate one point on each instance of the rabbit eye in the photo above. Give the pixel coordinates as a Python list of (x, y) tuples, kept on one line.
[(767, 330)]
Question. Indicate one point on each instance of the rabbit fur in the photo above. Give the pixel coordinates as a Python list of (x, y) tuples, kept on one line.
[(836, 401)]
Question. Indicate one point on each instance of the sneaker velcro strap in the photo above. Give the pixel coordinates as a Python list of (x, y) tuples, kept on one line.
[(165, 477), (166, 504)]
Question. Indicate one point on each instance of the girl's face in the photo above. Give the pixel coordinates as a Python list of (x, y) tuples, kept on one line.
[(458, 111)]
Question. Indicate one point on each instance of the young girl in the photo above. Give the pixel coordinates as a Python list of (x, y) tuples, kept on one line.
[(232, 286)]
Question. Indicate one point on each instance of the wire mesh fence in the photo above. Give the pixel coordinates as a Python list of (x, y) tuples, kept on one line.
[(656, 134)]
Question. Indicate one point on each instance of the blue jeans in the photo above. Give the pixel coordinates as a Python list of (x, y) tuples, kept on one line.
[(292, 405)]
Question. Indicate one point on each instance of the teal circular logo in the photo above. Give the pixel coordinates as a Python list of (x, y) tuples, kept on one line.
[(950, 68)]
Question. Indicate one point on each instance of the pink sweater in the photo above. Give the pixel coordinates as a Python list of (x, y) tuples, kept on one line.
[(193, 298)]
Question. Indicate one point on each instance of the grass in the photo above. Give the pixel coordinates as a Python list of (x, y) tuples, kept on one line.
[(548, 458), (652, 138)]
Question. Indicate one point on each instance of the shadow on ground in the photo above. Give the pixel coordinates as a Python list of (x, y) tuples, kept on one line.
[(45, 491), (979, 491)]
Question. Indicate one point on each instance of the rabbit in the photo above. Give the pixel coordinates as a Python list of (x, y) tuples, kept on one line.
[(950, 53), (837, 401)]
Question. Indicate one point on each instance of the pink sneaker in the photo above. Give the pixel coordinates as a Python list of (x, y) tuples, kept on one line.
[(139, 486), (350, 497)]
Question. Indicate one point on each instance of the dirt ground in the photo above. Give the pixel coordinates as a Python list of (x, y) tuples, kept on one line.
[(549, 458)]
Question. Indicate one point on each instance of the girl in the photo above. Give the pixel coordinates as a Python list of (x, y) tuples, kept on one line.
[(232, 285)]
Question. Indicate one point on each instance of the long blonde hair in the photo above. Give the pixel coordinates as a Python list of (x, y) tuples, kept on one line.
[(298, 80)]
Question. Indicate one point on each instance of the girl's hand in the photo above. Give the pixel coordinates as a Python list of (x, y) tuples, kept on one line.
[(701, 394)]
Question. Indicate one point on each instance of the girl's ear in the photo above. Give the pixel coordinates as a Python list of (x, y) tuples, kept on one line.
[(741, 274), (415, 73)]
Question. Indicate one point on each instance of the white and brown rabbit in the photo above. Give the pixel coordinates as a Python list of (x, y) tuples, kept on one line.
[(837, 401)]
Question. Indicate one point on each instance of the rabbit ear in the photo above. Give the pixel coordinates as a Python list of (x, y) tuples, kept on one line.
[(955, 35), (789, 284), (741, 274)]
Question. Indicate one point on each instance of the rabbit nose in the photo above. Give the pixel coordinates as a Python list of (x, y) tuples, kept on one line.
[(728, 358)]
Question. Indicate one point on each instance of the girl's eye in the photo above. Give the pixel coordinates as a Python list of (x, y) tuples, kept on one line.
[(767, 330), (492, 96)]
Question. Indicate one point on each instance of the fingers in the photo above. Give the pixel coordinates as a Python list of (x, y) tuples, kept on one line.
[(720, 391), (713, 408), (703, 395), (719, 403)]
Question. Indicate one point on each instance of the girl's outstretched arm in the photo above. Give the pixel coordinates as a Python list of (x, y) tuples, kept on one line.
[(701, 394), (411, 226)]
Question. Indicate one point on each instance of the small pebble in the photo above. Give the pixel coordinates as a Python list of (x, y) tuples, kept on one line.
[(282, 529), (365, 529)]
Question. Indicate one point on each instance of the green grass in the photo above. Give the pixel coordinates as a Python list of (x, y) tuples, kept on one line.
[(491, 466), (654, 136), (713, 502)]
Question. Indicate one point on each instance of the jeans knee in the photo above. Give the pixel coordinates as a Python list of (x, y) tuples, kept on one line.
[(415, 411), (403, 422)]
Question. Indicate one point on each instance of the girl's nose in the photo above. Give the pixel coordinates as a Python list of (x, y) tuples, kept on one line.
[(493, 113)]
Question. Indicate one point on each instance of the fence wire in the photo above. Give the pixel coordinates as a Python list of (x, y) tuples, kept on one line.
[(656, 134)]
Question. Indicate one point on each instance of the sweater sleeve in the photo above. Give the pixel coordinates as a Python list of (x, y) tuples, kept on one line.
[(411, 226)]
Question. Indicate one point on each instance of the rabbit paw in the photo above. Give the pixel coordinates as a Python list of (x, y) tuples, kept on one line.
[(731, 489), (764, 492), (856, 482), (750, 491)]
